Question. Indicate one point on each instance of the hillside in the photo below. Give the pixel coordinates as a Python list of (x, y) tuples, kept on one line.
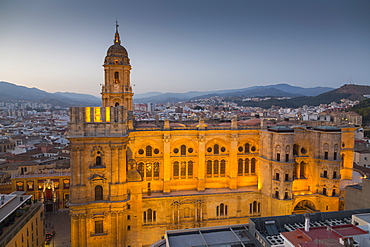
[(356, 92), (12, 92), (352, 92), (278, 90), (363, 108)]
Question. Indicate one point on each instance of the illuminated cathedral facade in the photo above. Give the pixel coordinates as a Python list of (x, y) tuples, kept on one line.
[(132, 181)]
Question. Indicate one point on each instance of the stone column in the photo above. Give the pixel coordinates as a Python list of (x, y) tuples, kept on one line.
[(232, 167), (114, 229), (120, 229), (114, 164), (122, 163), (201, 162), (83, 230), (75, 230), (167, 166)]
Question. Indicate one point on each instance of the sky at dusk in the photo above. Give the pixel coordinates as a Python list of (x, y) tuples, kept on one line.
[(189, 45)]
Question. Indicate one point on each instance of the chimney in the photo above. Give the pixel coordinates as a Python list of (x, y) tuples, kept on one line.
[(306, 223)]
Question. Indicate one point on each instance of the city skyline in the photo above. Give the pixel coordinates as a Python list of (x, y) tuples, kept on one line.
[(178, 46)]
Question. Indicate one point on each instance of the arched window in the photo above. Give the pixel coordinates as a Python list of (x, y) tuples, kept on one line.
[(148, 150), (335, 152), (216, 148), (221, 210), (246, 148), (215, 168), (246, 167), (176, 169), (287, 150), (278, 150), (277, 194), (98, 193), (183, 150), (149, 171), (254, 207), (156, 170), (116, 104), (140, 168), (240, 167), (324, 191), (190, 169), (286, 196), (183, 169), (150, 216), (116, 77), (253, 165), (222, 168), (326, 151), (98, 161), (209, 168)]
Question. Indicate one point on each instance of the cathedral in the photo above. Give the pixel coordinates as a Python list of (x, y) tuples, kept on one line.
[(132, 181)]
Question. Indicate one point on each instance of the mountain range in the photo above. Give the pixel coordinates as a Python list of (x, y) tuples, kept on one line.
[(298, 95), (12, 92), (278, 90)]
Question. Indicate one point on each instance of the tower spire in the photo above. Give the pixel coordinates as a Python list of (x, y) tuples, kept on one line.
[(116, 36)]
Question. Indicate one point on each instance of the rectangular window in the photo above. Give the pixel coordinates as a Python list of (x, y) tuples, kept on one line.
[(278, 157), (325, 175), (335, 156), (286, 157), (326, 155), (286, 177), (98, 226), (277, 176)]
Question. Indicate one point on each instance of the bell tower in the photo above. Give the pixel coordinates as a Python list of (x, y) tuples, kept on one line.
[(117, 90)]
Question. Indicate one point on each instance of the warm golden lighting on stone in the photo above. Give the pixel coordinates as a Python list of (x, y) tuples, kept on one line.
[(107, 114), (97, 114), (87, 114)]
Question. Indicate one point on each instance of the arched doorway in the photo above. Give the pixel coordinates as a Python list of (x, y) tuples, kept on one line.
[(304, 206)]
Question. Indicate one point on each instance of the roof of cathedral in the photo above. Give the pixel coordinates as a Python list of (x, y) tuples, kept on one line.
[(177, 125), (280, 129), (327, 128), (147, 125)]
